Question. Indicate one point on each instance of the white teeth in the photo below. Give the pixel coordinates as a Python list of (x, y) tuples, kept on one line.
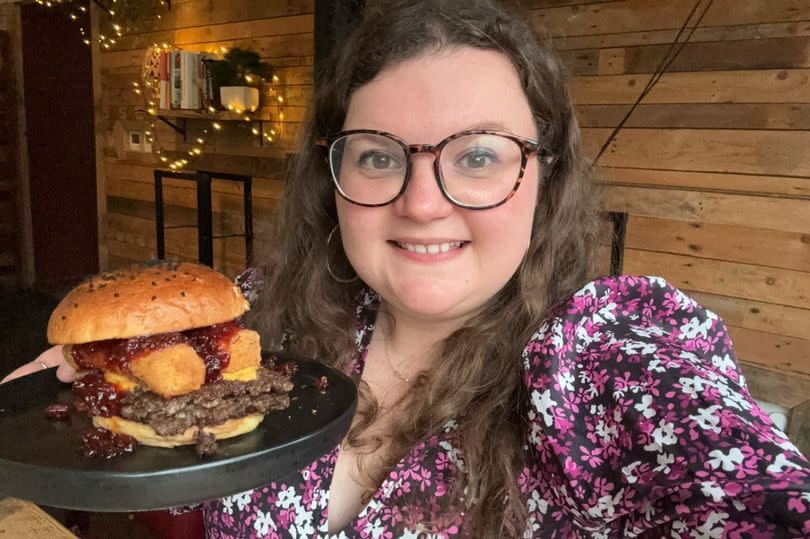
[(434, 248)]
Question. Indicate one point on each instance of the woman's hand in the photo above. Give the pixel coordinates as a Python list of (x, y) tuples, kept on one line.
[(51, 357)]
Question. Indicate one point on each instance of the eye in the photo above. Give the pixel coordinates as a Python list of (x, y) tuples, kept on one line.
[(377, 160), (477, 158)]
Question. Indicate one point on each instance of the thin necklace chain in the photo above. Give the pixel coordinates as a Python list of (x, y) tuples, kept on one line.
[(398, 374)]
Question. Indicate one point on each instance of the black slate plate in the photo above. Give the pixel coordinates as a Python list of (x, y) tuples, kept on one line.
[(40, 459)]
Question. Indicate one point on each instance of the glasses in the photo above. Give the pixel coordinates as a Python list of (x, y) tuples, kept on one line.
[(477, 169)]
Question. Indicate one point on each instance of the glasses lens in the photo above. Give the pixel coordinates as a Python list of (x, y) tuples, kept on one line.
[(480, 170), (368, 168)]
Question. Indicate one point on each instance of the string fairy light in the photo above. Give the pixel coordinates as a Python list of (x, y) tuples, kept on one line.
[(149, 89), (132, 10)]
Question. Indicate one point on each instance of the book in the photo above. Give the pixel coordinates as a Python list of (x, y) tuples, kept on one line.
[(207, 81), (191, 82), (163, 81), (176, 79)]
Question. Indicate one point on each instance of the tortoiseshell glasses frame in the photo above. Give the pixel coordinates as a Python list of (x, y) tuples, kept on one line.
[(527, 148)]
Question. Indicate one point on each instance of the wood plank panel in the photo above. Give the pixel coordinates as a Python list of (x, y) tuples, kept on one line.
[(183, 194), (224, 223), (645, 15), (536, 4), (134, 254), (769, 285), (262, 187), (757, 315), (715, 150), (787, 250), (787, 389), (700, 116), (759, 212), (772, 53), (752, 86), (784, 354), (181, 242), (255, 28), (704, 33), (268, 47), (190, 14), (581, 62), (707, 181), (260, 167), (227, 143)]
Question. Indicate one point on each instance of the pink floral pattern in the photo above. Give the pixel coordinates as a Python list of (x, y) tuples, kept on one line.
[(640, 425)]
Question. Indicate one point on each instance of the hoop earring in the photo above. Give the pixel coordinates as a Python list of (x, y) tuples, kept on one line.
[(329, 268)]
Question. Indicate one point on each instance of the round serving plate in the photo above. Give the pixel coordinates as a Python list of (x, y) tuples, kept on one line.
[(41, 461)]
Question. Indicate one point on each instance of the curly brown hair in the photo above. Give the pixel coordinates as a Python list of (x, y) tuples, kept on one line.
[(478, 381)]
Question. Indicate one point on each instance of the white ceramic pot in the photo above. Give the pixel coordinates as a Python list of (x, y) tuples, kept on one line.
[(242, 98)]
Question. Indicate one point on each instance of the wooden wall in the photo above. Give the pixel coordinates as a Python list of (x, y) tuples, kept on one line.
[(8, 168), (282, 33), (12, 184), (713, 168)]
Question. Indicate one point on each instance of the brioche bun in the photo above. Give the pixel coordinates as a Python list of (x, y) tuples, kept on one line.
[(145, 300), (146, 435)]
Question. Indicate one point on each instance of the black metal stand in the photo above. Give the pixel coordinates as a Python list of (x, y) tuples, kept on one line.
[(205, 233), (617, 244), (247, 198)]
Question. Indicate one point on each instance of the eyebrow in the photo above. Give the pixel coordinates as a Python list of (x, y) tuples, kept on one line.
[(494, 126)]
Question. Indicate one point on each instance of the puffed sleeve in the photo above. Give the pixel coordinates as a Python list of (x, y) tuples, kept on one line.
[(641, 424)]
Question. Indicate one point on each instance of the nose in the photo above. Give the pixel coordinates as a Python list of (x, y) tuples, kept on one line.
[(423, 199)]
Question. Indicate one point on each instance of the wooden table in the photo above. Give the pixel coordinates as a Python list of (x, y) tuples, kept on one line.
[(20, 519)]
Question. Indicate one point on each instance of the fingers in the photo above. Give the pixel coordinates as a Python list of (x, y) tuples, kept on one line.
[(51, 357), (66, 373), (28, 368)]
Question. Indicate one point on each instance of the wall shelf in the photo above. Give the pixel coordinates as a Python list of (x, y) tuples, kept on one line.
[(176, 118)]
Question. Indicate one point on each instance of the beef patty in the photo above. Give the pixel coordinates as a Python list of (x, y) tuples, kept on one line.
[(212, 404)]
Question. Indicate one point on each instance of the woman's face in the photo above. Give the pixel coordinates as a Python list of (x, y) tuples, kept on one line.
[(423, 101)]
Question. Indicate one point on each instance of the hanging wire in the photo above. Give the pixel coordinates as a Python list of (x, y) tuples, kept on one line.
[(666, 61)]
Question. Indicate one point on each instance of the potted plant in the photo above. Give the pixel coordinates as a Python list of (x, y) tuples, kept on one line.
[(237, 76)]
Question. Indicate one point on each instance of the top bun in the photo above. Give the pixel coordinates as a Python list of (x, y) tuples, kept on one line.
[(145, 300)]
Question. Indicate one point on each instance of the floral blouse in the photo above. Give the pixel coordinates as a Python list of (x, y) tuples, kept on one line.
[(640, 425)]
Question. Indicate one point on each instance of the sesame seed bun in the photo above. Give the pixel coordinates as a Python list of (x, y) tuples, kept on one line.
[(145, 300)]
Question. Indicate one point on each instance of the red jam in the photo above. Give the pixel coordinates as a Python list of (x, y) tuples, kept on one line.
[(321, 383), (210, 343), (119, 353), (98, 442), (96, 396), (286, 369), (57, 412)]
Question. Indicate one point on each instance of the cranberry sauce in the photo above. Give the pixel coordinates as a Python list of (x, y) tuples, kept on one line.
[(98, 442), (98, 397), (95, 396), (117, 354), (57, 412), (210, 343)]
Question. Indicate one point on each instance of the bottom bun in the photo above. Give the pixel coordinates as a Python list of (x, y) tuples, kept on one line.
[(146, 435)]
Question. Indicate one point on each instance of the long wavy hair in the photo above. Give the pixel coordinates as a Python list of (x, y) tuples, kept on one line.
[(478, 380)]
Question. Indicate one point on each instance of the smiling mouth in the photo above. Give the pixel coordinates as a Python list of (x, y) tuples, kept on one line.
[(432, 248)]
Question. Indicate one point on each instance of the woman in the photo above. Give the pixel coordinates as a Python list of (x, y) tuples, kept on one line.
[(445, 225)]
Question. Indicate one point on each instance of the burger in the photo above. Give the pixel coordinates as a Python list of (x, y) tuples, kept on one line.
[(162, 355)]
